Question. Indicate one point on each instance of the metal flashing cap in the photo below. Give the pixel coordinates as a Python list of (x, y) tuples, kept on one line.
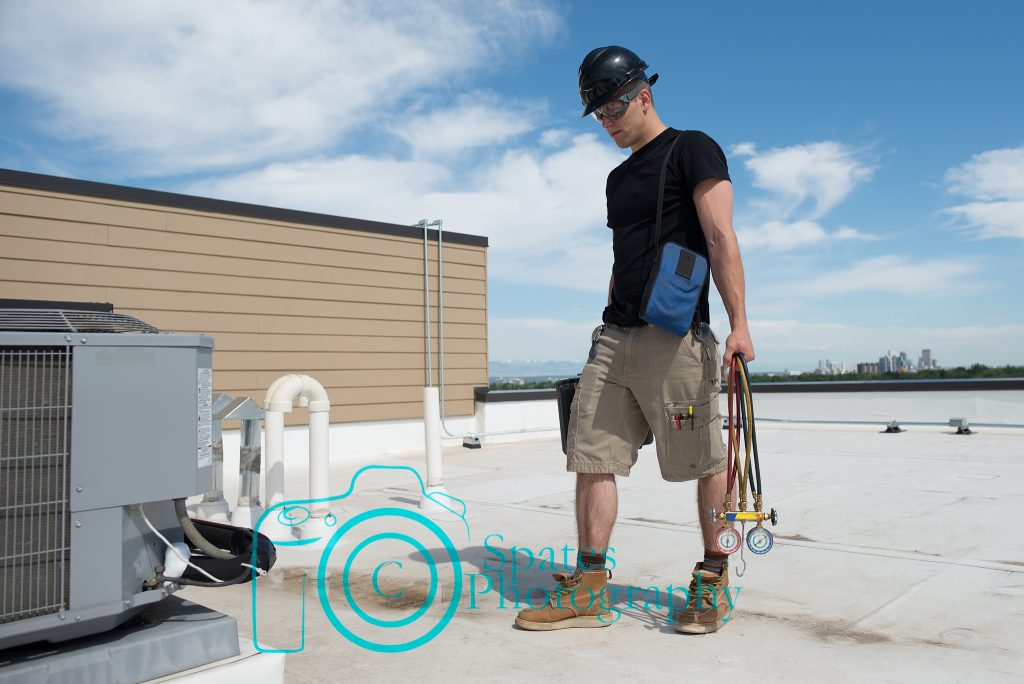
[(605, 71), (245, 408)]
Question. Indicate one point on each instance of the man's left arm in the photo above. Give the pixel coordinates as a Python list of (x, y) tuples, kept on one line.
[(713, 198)]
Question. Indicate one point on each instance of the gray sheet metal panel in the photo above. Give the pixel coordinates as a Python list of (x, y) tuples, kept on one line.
[(135, 421), (95, 562), (141, 551), (171, 636), (113, 553)]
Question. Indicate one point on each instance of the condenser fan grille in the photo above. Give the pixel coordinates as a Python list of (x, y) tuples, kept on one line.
[(58, 320), (35, 437)]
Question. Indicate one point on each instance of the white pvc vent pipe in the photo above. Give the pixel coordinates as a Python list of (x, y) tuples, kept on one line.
[(280, 397), (432, 437), (432, 446)]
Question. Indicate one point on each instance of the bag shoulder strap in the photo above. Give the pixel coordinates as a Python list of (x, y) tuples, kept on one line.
[(661, 194)]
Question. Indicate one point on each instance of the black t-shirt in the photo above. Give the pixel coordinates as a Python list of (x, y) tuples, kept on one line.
[(632, 193)]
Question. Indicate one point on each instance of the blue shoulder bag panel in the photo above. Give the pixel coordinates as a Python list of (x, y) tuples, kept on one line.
[(677, 278)]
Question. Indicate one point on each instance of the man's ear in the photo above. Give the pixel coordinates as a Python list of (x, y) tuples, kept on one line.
[(645, 99)]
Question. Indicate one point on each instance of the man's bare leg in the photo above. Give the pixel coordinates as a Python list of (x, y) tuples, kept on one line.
[(581, 599), (710, 492), (597, 504)]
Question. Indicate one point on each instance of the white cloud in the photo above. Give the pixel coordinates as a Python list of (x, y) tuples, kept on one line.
[(848, 233), (993, 219), (821, 173), (891, 274), (185, 85), (803, 183), (478, 119), (543, 210), (992, 175), (554, 137), (780, 236), (743, 149), (995, 181), (351, 185)]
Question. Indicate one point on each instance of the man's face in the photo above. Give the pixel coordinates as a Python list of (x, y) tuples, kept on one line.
[(625, 130)]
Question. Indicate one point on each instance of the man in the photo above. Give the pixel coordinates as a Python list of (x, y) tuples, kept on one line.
[(640, 376)]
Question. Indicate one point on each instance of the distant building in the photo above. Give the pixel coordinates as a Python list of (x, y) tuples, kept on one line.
[(886, 364), (926, 361), (830, 367), (868, 367)]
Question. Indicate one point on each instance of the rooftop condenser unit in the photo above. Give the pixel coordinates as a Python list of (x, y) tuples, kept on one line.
[(105, 429)]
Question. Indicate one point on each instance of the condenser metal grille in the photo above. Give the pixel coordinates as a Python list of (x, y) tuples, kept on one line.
[(35, 434), (71, 321)]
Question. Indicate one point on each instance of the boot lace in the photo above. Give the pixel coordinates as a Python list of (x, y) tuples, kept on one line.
[(566, 585), (708, 588)]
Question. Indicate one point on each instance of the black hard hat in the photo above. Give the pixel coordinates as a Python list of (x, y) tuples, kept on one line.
[(605, 70)]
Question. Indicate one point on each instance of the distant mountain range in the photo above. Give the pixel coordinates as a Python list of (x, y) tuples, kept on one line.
[(534, 369)]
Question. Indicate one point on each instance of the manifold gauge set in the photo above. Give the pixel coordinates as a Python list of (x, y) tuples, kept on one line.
[(741, 431)]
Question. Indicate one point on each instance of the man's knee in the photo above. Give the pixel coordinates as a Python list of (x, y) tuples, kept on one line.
[(594, 479)]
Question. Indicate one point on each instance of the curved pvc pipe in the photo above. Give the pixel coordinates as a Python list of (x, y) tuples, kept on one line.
[(281, 396)]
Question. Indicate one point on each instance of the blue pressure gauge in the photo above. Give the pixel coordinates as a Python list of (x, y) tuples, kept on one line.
[(759, 540)]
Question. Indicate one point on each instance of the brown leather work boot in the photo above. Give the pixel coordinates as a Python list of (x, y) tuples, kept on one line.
[(708, 611), (579, 600)]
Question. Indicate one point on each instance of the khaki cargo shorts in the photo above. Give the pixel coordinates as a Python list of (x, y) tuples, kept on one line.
[(647, 377)]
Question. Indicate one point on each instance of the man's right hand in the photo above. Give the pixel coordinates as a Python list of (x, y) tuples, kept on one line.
[(738, 341)]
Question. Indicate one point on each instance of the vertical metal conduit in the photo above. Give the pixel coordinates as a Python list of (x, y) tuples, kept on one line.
[(440, 330), (440, 323), (426, 300)]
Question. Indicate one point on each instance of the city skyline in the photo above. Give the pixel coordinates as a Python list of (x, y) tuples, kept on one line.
[(899, 362), (890, 362)]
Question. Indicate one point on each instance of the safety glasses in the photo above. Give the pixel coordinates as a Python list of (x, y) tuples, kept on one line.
[(617, 106)]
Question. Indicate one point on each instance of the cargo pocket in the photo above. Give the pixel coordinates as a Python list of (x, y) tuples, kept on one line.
[(689, 428)]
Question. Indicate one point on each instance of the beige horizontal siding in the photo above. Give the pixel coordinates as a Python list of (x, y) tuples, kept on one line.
[(344, 306), (350, 378), (177, 281), (32, 239), (54, 249)]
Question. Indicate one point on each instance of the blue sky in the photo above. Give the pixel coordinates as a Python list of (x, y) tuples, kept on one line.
[(877, 149)]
